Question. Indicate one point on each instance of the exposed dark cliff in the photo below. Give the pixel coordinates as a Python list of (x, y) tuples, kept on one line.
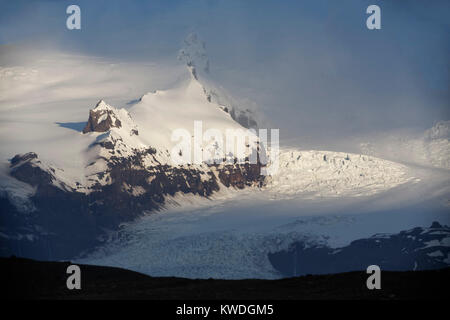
[(67, 221)]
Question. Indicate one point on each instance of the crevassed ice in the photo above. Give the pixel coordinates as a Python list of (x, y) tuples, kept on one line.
[(326, 173)]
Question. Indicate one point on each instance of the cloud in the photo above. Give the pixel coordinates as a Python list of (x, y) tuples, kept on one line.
[(312, 67)]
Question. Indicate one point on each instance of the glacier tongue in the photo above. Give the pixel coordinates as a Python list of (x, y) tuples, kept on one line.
[(333, 174)]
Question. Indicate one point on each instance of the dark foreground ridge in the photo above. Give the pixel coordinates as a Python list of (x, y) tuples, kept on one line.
[(30, 279)]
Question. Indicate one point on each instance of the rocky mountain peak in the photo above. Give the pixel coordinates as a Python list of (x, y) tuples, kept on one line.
[(21, 158), (435, 225), (194, 54), (29, 169), (102, 118), (105, 117), (102, 105)]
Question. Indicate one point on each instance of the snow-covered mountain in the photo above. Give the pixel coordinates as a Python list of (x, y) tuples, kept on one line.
[(128, 167), (118, 163), (415, 249)]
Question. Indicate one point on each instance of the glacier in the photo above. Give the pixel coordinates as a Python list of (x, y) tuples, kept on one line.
[(388, 183)]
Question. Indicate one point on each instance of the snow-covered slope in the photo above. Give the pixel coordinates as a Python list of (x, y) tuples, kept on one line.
[(194, 54), (113, 134), (146, 128), (161, 112), (68, 165)]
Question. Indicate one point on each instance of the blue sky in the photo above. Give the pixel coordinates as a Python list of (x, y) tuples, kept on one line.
[(311, 65)]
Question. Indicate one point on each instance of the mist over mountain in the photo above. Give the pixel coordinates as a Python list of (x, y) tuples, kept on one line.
[(298, 62)]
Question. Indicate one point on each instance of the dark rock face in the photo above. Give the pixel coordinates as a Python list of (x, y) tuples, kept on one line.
[(240, 176), (416, 249), (22, 158), (24, 167), (101, 120), (67, 222)]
